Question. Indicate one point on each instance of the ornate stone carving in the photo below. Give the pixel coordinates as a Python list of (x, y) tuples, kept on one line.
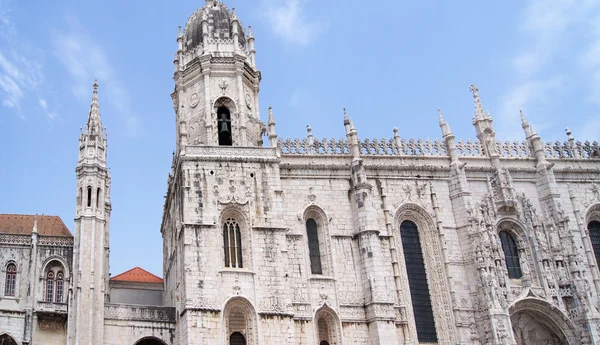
[(138, 313)]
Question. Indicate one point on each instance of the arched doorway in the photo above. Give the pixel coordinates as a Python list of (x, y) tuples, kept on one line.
[(6, 339), (237, 338), (150, 341), (535, 321)]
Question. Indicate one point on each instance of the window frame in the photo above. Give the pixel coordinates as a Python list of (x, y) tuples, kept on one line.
[(10, 281), (233, 251), (314, 247), (512, 258), (593, 228), (49, 290), (420, 298)]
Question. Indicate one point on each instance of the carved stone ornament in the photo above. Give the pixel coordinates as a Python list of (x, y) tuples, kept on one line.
[(248, 101), (194, 99), (223, 85)]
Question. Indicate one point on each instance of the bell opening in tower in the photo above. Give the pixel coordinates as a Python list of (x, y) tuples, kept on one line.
[(224, 125)]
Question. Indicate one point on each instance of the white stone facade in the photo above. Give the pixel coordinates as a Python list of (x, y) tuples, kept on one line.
[(334, 241), (237, 248)]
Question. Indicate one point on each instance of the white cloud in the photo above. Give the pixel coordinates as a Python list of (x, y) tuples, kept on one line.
[(289, 22), (21, 70), (85, 60), (519, 98), (12, 92), (547, 30)]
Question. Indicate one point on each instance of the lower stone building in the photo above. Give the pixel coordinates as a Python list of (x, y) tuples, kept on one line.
[(312, 241)]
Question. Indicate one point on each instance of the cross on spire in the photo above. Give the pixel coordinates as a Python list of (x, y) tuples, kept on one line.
[(479, 112)]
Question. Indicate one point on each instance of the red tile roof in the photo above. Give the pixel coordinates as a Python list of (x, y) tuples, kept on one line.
[(137, 275), (22, 224)]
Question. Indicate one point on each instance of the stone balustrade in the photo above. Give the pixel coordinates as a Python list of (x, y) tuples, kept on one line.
[(139, 313), (435, 148), (51, 307)]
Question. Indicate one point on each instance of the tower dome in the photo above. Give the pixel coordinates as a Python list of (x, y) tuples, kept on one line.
[(220, 22)]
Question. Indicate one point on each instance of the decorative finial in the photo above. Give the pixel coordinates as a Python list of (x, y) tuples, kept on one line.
[(309, 129), (568, 132), (479, 112), (179, 34), (395, 130), (271, 118), (440, 116), (96, 86), (345, 114), (250, 34), (523, 119)]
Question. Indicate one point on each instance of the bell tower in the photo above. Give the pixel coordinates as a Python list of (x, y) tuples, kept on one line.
[(216, 81), (91, 247)]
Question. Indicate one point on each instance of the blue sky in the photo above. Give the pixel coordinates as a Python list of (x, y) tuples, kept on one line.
[(392, 63)]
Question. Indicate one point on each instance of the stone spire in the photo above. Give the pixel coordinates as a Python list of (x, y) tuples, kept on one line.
[(528, 128), (443, 124), (94, 124), (272, 134), (479, 112)]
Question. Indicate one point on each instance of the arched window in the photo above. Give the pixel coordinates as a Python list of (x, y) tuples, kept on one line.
[(313, 247), (59, 287), (237, 338), (594, 229), (511, 255), (89, 196), (97, 197), (323, 328), (232, 244), (417, 282), (11, 280), (224, 126), (50, 287)]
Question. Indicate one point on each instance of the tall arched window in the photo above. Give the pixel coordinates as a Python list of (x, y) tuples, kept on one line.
[(89, 196), (313, 246), (594, 229), (417, 282), (224, 126), (50, 287), (59, 287), (232, 243), (511, 255), (97, 197), (11, 280)]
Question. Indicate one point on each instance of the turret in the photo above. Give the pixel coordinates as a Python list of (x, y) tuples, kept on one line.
[(92, 218), (216, 81)]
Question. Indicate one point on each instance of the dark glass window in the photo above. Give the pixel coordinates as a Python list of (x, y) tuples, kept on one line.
[(313, 247), (97, 197), (417, 281), (511, 255), (594, 229), (11, 280), (237, 338), (89, 196)]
